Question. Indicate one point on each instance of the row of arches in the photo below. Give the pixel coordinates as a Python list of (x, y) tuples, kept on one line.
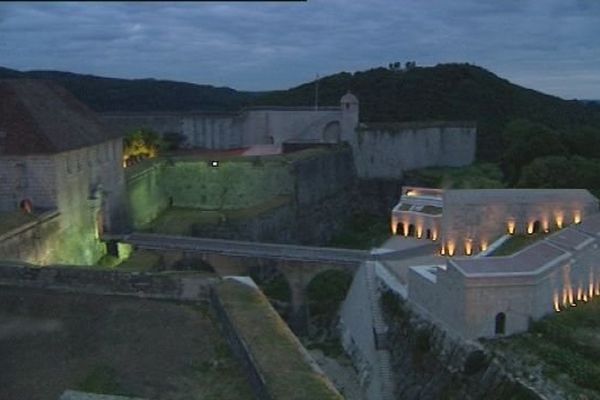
[(413, 231), (545, 225)]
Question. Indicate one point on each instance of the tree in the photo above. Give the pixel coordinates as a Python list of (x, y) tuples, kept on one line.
[(141, 144), (525, 141), (584, 141), (561, 172)]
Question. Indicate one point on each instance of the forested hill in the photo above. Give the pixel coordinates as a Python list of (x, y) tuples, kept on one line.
[(444, 92), (112, 94)]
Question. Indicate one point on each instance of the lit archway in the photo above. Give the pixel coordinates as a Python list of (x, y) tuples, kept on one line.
[(400, 228)]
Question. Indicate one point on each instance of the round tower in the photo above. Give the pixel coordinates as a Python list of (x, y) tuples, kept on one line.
[(349, 109)]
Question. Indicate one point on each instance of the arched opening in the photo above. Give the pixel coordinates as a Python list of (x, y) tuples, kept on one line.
[(428, 233), (400, 228), (500, 327), (274, 285), (332, 132), (411, 230), (26, 206), (537, 227), (324, 296)]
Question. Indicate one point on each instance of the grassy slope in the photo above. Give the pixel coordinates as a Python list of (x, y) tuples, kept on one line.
[(566, 346)]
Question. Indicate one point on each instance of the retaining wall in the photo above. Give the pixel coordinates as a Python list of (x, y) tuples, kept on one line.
[(82, 280)]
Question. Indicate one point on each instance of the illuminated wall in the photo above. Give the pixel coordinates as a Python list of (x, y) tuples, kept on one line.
[(146, 198), (468, 300), (476, 218), (231, 185)]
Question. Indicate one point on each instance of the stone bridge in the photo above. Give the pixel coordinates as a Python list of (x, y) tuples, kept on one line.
[(298, 264)]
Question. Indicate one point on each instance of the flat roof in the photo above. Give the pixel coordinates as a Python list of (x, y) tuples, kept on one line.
[(590, 225), (514, 196), (526, 261), (570, 239)]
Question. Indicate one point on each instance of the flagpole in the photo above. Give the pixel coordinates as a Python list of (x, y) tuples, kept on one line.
[(317, 93)]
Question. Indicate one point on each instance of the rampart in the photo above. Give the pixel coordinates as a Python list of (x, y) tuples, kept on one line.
[(386, 150), (278, 366), (300, 197)]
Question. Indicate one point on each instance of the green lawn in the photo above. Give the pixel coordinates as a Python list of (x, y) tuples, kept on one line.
[(180, 221), (516, 243)]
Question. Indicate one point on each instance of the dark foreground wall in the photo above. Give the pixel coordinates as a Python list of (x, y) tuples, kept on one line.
[(84, 280)]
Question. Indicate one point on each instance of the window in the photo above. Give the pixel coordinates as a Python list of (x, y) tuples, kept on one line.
[(2, 141), (500, 328), (68, 163), (22, 182)]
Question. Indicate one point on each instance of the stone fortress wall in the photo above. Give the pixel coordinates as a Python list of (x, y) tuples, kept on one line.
[(386, 150), (467, 221), (472, 219), (259, 125), (305, 197), (85, 186), (381, 151)]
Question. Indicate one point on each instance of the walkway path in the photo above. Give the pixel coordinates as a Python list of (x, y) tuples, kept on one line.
[(243, 249)]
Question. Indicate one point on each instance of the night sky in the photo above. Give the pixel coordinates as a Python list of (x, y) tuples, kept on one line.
[(549, 45)]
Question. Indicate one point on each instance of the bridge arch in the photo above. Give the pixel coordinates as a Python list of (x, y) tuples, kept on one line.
[(325, 293), (274, 284)]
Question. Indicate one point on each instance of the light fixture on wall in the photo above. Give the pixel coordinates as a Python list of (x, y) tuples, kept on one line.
[(511, 227), (468, 247)]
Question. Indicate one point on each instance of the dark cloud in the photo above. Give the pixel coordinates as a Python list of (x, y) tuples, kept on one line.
[(548, 45)]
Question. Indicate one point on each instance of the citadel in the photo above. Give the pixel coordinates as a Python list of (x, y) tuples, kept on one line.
[(66, 199)]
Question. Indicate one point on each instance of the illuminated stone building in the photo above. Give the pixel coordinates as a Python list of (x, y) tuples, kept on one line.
[(488, 296), (476, 294), (58, 161), (468, 221)]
